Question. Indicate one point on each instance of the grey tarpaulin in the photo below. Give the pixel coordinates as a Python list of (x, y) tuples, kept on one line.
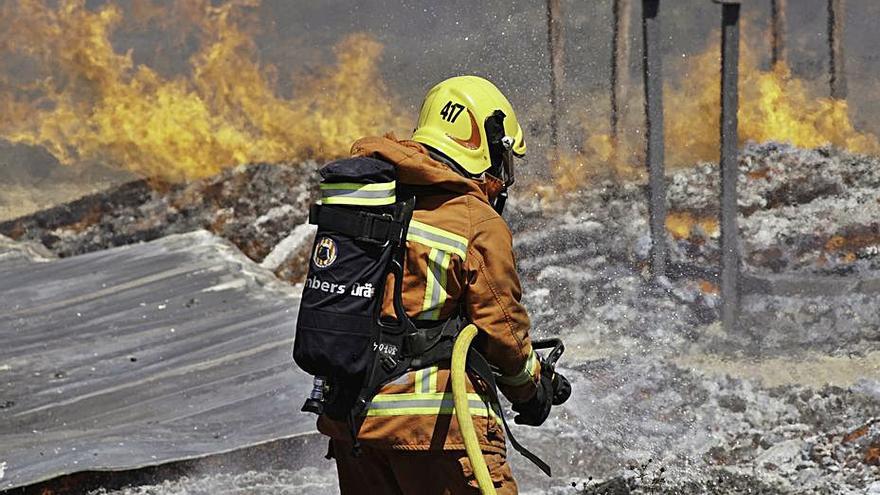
[(140, 355)]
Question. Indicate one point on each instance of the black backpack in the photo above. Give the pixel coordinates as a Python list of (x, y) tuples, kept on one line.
[(360, 244), (360, 225)]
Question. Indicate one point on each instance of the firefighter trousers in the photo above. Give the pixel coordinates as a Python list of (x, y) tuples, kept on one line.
[(400, 472)]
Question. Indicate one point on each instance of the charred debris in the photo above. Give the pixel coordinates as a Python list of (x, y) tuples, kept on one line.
[(255, 207)]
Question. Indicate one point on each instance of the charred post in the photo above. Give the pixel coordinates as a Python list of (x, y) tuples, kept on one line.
[(836, 66), (619, 64), (555, 44), (778, 10), (653, 77), (730, 262)]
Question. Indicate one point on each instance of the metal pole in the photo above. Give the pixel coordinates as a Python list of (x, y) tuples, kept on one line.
[(653, 77), (778, 10), (555, 44), (730, 263), (835, 48), (619, 64)]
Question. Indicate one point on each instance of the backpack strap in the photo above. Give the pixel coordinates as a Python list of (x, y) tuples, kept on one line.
[(380, 228), (422, 340)]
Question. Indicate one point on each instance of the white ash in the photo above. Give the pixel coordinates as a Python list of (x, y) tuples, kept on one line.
[(792, 202), (299, 237), (699, 429), (15, 252)]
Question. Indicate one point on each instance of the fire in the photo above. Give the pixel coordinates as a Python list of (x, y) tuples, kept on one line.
[(65, 87), (92, 104), (681, 224), (774, 105)]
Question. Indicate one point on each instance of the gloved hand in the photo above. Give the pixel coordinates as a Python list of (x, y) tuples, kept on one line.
[(534, 411)]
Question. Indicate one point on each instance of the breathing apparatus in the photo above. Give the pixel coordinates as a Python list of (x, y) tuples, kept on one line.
[(501, 155)]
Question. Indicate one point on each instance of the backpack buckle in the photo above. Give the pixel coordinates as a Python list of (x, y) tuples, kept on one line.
[(371, 223)]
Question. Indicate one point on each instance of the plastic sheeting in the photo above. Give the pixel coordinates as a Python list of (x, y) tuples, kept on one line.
[(140, 355)]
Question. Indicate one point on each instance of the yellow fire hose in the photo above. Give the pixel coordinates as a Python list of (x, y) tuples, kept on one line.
[(463, 410)]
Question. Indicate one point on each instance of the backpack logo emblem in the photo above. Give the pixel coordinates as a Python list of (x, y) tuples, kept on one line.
[(325, 253)]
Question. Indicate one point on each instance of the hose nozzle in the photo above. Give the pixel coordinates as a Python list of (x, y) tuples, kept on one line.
[(561, 385)]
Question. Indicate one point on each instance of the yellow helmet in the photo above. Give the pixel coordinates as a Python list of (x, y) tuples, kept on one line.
[(470, 121)]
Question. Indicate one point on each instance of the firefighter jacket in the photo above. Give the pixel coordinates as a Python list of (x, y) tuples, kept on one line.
[(459, 253)]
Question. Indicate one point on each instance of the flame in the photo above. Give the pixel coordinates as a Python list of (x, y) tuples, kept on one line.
[(774, 106), (681, 224), (92, 104)]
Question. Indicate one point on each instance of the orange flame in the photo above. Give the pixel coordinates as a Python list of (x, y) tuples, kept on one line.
[(91, 103), (681, 224), (774, 105)]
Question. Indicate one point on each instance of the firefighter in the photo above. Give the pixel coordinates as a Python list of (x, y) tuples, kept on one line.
[(459, 261)]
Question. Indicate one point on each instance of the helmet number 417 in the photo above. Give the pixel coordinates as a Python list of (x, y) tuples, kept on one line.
[(451, 111)]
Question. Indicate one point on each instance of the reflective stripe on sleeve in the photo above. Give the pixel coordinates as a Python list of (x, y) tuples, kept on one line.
[(524, 375), (352, 193)]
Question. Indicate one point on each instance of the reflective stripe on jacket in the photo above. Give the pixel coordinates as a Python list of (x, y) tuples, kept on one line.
[(459, 252)]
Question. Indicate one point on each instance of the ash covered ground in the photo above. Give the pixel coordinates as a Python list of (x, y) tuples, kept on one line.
[(664, 401)]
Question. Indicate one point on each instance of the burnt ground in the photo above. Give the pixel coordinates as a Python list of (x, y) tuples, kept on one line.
[(255, 207), (665, 401)]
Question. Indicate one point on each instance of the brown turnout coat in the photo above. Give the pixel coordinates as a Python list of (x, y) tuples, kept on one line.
[(459, 252)]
